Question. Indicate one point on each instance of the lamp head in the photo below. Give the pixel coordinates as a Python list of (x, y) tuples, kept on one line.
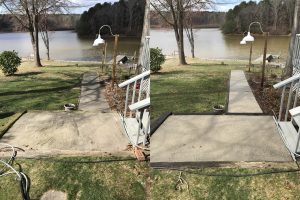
[(249, 38), (98, 41), (243, 42)]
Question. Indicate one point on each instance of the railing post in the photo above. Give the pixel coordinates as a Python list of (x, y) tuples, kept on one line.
[(126, 100), (289, 101), (139, 127)]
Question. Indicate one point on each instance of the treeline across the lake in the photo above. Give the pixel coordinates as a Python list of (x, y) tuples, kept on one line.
[(200, 19), (125, 18), (276, 16), (58, 22)]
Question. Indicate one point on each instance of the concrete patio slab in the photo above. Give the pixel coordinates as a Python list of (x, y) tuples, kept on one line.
[(241, 98), (39, 133), (203, 139)]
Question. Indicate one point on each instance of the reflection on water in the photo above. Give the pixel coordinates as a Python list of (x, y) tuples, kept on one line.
[(212, 44), (65, 45)]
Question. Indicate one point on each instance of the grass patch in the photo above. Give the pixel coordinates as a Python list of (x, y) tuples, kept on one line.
[(196, 87), (275, 186), (45, 88), (6, 120), (108, 180)]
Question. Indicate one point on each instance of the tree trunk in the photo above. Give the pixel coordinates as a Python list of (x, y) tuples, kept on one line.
[(295, 29), (180, 42), (145, 33), (35, 45)]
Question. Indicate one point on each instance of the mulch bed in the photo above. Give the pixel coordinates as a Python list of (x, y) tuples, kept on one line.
[(268, 98)]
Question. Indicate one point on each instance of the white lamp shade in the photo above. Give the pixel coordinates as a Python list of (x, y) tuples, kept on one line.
[(98, 41), (249, 38), (243, 42)]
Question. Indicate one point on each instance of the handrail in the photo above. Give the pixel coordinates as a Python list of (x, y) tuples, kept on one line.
[(132, 80), (139, 105), (287, 81)]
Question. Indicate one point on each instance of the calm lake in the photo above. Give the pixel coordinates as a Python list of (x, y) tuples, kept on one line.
[(212, 44), (65, 45)]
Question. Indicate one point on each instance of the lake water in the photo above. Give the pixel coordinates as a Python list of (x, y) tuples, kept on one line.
[(65, 45), (212, 44)]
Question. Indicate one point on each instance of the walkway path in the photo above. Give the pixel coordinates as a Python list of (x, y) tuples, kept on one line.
[(193, 140), (93, 129), (241, 98), (92, 96)]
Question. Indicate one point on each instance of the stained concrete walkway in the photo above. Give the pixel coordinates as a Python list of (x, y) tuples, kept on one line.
[(93, 130), (92, 96), (241, 98), (197, 140)]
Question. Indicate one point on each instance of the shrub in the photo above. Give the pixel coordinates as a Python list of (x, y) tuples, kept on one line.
[(156, 59), (9, 62)]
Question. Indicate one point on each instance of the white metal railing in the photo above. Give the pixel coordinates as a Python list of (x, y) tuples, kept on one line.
[(296, 55), (286, 122), (131, 86), (292, 84), (135, 116)]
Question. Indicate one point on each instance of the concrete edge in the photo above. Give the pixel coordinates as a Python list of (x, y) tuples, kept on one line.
[(225, 164)]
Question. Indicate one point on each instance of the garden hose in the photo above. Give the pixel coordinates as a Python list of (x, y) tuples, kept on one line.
[(8, 169)]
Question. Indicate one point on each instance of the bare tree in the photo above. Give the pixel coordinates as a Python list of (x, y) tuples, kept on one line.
[(44, 30), (295, 30), (131, 4), (190, 33), (290, 6), (28, 13), (276, 4), (174, 12)]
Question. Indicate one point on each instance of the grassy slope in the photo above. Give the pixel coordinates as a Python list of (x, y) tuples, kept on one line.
[(6, 120), (192, 88), (46, 88), (116, 180)]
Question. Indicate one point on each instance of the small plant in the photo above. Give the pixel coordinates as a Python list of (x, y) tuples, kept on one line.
[(156, 59), (9, 62)]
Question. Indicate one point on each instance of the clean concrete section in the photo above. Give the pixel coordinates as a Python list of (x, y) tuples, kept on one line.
[(209, 138), (41, 132), (241, 98), (92, 96)]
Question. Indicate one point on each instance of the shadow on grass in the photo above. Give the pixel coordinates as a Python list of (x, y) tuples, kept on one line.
[(28, 74), (169, 73), (56, 89), (6, 114)]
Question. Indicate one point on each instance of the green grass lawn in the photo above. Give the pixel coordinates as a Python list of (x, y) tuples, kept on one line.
[(84, 181), (6, 120), (196, 87), (274, 186), (45, 88)]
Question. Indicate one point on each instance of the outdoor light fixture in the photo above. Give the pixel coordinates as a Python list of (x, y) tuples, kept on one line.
[(250, 38), (243, 42), (100, 41)]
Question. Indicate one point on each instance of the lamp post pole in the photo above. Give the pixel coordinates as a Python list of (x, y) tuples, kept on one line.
[(249, 38), (113, 80), (250, 57), (103, 55), (98, 41), (264, 60)]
